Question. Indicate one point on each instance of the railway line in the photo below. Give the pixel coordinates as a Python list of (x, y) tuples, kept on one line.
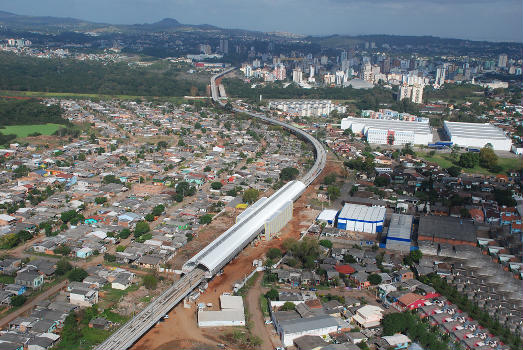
[(200, 268)]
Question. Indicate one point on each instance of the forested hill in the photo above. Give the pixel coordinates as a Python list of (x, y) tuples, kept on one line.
[(29, 112), (24, 73)]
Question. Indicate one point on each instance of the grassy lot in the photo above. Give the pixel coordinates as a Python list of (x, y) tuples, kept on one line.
[(444, 161), (22, 131)]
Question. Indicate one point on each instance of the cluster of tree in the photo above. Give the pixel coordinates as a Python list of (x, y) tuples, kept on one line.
[(11, 240), (289, 173), (184, 189), (250, 195), (482, 316), (367, 166), (26, 73), (111, 179), (407, 322), (205, 219), (35, 196), (486, 158), (157, 211), (452, 92), (150, 281), (27, 112), (72, 217), (305, 251), (140, 230)]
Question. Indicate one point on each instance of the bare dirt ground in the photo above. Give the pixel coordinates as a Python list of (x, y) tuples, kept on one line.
[(181, 331)]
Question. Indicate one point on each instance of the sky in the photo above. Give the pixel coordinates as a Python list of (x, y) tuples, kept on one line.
[(493, 20)]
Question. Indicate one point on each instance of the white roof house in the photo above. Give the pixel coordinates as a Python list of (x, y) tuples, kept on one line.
[(397, 339)]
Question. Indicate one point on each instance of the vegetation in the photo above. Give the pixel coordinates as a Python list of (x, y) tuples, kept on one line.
[(409, 323), (326, 243), (289, 173), (28, 112), (274, 253), (305, 251), (18, 300), (288, 306), (25, 73), (150, 281), (21, 131), (77, 274), (250, 195), (205, 219)]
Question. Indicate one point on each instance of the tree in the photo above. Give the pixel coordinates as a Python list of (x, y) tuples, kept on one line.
[(468, 160), (77, 274), (454, 171), (216, 185), (326, 243), (288, 306), (158, 210), (62, 267), (109, 257), (374, 279), (504, 197), (416, 255), (205, 219), (184, 188), (69, 215), (289, 173), (333, 192), (62, 249), (487, 157), (381, 181), (251, 195), (274, 253), (330, 178), (272, 294), (120, 248), (125, 233), (150, 281), (347, 258), (100, 200), (18, 300), (141, 228)]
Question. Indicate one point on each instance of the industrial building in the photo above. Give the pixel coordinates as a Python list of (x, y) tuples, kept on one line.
[(398, 235), (266, 214), (361, 218), (231, 313), (447, 229), (477, 135), (320, 325), (392, 132), (328, 217)]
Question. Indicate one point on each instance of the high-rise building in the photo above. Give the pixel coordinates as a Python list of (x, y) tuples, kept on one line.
[(280, 73), (502, 60), (440, 77), (297, 75), (324, 60), (343, 56), (224, 46), (256, 63), (205, 49), (414, 93), (311, 71)]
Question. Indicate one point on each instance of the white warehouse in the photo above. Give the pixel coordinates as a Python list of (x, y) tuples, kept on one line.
[(392, 132), (361, 218), (477, 135)]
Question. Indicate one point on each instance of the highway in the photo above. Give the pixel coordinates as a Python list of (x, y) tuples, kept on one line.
[(133, 330)]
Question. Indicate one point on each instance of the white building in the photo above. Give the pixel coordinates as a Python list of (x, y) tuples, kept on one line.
[(307, 108), (361, 218), (477, 135), (414, 93), (317, 325), (392, 132), (231, 313), (297, 75)]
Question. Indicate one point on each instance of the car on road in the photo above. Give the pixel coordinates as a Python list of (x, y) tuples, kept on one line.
[(268, 322), (313, 289)]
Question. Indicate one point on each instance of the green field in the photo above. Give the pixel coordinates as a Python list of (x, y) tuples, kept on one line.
[(22, 131), (444, 161)]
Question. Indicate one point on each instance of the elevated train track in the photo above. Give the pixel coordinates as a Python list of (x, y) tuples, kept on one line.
[(200, 267)]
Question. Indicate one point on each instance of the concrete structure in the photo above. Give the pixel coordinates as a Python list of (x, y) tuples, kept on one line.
[(295, 328), (368, 316), (477, 135), (398, 235), (393, 132), (231, 313), (414, 93), (361, 218), (328, 216)]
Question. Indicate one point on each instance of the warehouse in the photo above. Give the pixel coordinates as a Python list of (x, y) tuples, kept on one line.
[(360, 218), (320, 325), (398, 236), (447, 229), (392, 132), (477, 135), (267, 213), (231, 313)]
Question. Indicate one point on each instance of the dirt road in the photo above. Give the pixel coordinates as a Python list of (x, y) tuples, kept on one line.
[(259, 328), (32, 303)]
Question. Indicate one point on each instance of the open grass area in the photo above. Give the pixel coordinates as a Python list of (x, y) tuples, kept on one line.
[(445, 161), (22, 131)]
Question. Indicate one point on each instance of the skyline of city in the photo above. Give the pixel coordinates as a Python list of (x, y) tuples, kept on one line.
[(471, 19)]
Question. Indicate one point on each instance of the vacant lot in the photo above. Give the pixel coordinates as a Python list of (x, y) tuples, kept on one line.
[(445, 161), (22, 131)]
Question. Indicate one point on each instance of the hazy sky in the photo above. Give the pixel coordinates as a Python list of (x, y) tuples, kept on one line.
[(497, 20)]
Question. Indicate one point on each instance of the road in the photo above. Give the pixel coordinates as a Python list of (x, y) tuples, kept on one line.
[(260, 329), (32, 303)]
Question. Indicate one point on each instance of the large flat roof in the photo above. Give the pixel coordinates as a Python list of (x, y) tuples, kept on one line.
[(400, 226), (362, 213), (300, 325), (475, 130), (447, 227), (396, 125)]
